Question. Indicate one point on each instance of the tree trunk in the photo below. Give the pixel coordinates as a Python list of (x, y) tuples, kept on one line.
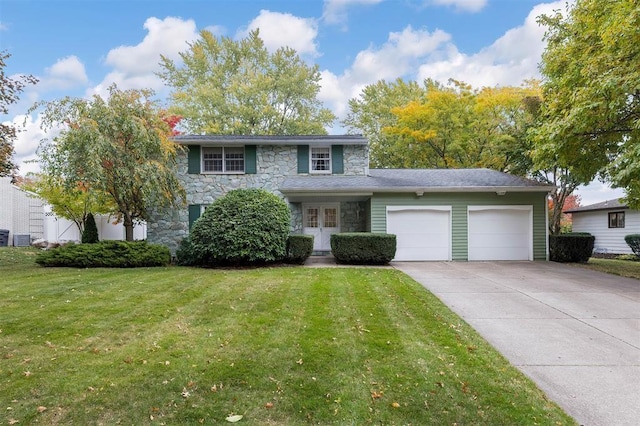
[(128, 227)]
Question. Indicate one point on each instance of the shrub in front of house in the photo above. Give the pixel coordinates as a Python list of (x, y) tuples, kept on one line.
[(633, 241), (244, 227), (573, 247), (90, 231), (109, 254), (299, 248), (363, 248)]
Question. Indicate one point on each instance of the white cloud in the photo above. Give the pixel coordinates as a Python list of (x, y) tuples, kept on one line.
[(283, 29), (27, 141), (134, 67), (335, 11), (510, 60), (65, 74), (3, 27), (398, 57), (463, 5), (597, 192)]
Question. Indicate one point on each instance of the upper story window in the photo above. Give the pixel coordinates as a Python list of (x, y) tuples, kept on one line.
[(224, 159), (616, 220), (320, 160)]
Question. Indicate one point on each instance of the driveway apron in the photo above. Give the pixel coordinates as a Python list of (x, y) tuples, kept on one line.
[(573, 331)]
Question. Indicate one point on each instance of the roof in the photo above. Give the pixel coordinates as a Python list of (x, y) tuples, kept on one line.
[(415, 180), (604, 205), (270, 140)]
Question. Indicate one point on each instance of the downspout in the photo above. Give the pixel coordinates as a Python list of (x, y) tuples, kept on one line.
[(546, 224)]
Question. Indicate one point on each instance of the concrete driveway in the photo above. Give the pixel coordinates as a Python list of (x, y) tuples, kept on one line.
[(574, 332)]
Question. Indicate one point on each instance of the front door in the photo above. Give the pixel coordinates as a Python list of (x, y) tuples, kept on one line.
[(321, 221)]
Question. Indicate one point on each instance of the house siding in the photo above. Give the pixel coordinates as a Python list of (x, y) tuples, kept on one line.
[(273, 164), (608, 240), (21, 213), (459, 203)]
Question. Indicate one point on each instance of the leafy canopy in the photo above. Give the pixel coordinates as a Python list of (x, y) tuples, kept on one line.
[(10, 89), (591, 69), (119, 146), (238, 87)]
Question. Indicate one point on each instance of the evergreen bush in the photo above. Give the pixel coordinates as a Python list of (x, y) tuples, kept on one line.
[(299, 248), (244, 227), (573, 247), (110, 254), (633, 241), (90, 232), (362, 248)]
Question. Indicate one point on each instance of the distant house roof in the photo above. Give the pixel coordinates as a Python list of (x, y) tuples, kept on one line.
[(414, 180), (270, 140), (604, 205)]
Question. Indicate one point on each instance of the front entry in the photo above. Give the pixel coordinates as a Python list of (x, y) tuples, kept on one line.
[(321, 221)]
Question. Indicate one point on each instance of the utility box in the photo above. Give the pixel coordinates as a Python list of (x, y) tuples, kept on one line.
[(21, 240)]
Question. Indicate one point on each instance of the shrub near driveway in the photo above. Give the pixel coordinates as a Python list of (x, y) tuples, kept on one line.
[(283, 345)]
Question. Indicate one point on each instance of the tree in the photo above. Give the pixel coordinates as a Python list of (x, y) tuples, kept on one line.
[(591, 70), (565, 222), (70, 202), (118, 146), (238, 87), (10, 89), (90, 232), (370, 112)]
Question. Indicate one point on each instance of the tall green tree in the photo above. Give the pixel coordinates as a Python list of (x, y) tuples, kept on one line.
[(119, 146), (591, 114), (224, 86), (10, 89), (370, 112)]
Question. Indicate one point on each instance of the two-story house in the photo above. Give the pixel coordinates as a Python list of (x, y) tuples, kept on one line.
[(436, 214)]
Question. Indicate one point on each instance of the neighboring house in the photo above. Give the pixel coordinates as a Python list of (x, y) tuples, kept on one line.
[(20, 213), (437, 214), (609, 221)]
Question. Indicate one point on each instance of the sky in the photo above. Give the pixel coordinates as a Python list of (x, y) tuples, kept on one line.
[(80, 47)]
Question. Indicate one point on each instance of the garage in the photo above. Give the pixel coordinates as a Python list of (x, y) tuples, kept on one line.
[(500, 232), (422, 233)]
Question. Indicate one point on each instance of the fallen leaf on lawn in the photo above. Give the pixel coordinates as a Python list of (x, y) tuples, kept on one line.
[(299, 362), (41, 409), (395, 405), (376, 395), (13, 421), (27, 373), (234, 419), (268, 405)]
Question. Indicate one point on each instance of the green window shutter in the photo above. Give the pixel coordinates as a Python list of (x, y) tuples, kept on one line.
[(337, 168), (303, 158), (250, 166), (194, 159), (194, 213)]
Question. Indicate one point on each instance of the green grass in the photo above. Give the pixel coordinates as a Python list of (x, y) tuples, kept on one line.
[(280, 346), (624, 268)]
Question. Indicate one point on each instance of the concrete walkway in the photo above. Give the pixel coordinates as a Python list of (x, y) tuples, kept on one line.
[(574, 332)]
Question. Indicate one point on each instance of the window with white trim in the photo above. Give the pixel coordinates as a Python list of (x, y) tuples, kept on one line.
[(223, 159), (320, 160), (616, 220)]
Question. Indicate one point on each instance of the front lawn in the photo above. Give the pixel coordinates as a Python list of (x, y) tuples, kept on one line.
[(624, 268), (279, 346)]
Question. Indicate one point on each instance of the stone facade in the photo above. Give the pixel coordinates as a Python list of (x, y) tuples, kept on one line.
[(274, 163)]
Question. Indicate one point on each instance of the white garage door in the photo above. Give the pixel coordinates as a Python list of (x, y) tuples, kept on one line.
[(422, 233), (500, 233)]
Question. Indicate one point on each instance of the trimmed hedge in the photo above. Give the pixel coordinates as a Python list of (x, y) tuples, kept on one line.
[(363, 248), (244, 227), (633, 241), (109, 254), (90, 232), (575, 247), (299, 248)]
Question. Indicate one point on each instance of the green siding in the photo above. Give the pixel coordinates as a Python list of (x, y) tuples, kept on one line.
[(337, 168), (459, 203), (194, 213), (250, 166), (194, 159), (303, 158)]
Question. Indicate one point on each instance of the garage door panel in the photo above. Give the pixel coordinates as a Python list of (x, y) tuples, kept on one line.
[(421, 234), (500, 234)]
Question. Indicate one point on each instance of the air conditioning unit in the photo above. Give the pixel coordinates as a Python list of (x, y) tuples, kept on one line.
[(21, 240)]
